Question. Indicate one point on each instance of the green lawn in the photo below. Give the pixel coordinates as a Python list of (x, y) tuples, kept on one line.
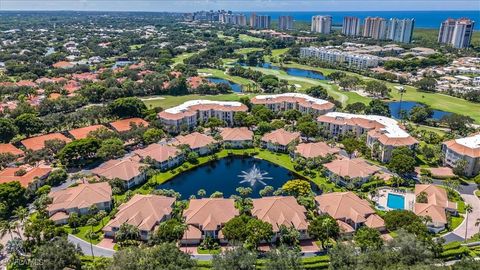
[(83, 231), (285, 161), (222, 75), (136, 46), (278, 52), (439, 131), (247, 38), (179, 58), (456, 221), (208, 251), (304, 83), (248, 50), (477, 192), (171, 101), (435, 100)]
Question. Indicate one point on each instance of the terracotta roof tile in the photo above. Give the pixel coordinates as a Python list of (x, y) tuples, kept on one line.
[(236, 134), (10, 148), (142, 211), (280, 211), (81, 133), (281, 136), (210, 213), (80, 197), (313, 150), (38, 143), (126, 124)]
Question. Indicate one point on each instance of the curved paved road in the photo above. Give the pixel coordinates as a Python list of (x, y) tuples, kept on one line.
[(468, 194), (85, 247)]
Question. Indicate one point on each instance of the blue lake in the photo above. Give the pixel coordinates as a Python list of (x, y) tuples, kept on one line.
[(298, 72), (408, 105), (237, 88), (223, 175)]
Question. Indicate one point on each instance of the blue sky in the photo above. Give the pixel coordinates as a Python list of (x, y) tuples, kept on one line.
[(240, 5)]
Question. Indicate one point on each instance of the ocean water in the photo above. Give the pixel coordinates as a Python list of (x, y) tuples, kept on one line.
[(423, 19)]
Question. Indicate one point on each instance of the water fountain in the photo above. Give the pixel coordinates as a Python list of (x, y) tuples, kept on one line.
[(253, 176)]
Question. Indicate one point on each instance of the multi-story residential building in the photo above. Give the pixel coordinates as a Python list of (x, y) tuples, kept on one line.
[(236, 137), (127, 169), (190, 113), (235, 19), (334, 56), (322, 24), (79, 200), (294, 101), (206, 218), (383, 133), (457, 33), (467, 149), (285, 23), (279, 140), (281, 210), (436, 206), (400, 30), (197, 142), (351, 26), (163, 156), (350, 211), (355, 171), (375, 27), (142, 211), (260, 21)]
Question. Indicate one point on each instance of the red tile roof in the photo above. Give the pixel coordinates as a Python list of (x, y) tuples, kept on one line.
[(81, 133), (38, 143), (10, 148), (126, 124), (32, 173), (281, 136), (313, 150)]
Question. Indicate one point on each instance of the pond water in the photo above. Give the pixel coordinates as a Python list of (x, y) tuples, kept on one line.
[(121, 63), (237, 88), (50, 50), (225, 175), (408, 105), (298, 72)]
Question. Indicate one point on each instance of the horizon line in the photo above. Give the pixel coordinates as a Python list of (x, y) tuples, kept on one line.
[(287, 11)]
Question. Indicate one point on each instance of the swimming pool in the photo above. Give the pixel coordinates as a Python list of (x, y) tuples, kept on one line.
[(395, 201)]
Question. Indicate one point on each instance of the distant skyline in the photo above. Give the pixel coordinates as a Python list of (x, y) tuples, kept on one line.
[(239, 5)]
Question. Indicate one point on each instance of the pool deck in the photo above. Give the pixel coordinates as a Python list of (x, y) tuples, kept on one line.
[(382, 196)]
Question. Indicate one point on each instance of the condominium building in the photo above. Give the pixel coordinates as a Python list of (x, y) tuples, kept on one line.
[(190, 113), (322, 24), (383, 133), (400, 30), (457, 33), (467, 149), (235, 19), (334, 56), (285, 23), (351, 26), (260, 21), (375, 27), (296, 101)]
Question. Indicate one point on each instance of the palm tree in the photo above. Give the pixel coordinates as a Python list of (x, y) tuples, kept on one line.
[(477, 223), (91, 222), (468, 209), (6, 227), (21, 213), (401, 91)]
